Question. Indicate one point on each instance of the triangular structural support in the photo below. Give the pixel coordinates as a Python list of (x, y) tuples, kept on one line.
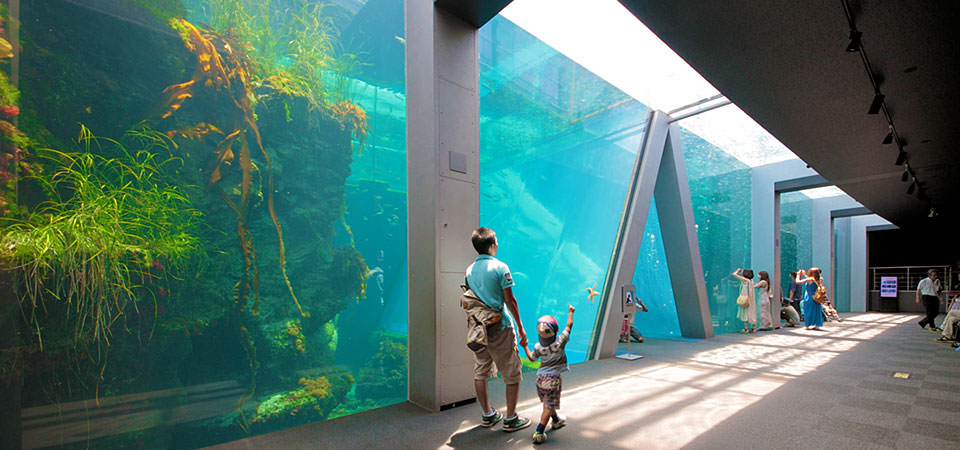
[(659, 170)]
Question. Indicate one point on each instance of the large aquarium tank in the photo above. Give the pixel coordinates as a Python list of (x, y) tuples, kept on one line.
[(796, 236), (557, 147), (203, 218)]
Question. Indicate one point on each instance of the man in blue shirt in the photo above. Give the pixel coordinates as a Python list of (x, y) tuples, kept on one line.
[(490, 280)]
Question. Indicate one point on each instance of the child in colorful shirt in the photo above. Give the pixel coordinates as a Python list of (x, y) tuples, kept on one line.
[(553, 362)]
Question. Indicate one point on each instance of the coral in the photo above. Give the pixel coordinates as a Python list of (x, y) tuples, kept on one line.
[(291, 337), (385, 375), (311, 402)]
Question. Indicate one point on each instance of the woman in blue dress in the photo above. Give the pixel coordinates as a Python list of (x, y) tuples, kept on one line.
[(812, 311)]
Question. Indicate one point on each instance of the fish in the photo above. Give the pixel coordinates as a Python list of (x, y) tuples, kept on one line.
[(402, 40)]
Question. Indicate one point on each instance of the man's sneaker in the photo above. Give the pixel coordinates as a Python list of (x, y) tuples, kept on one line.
[(944, 339), (539, 438), (515, 423), (558, 423), (490, 420)]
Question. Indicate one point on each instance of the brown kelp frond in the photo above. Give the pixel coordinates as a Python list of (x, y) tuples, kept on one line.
[(195, 132), (224, 155), (223, 65)]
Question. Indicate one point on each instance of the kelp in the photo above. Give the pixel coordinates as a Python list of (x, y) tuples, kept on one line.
[(224, 70)]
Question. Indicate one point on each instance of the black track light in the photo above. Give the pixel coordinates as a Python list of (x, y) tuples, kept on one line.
[(912, 187), (854, 45), (889, 138), (906, 174), (901, 158), (876, 105)]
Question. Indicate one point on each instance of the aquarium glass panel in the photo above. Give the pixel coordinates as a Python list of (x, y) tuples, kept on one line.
[(557, 146), (205, 216), (720, 191), (796, 235), (652, 280)]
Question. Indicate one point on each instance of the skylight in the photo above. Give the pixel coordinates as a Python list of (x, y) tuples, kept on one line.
[(605, 38)]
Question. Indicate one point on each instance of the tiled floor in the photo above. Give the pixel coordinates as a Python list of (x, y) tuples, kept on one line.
[(790, 388)]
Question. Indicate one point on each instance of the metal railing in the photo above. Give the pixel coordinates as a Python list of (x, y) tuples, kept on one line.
[(908, 277)]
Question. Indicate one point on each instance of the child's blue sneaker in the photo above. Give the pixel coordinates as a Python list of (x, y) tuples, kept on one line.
[(515, 423), (489, 420), (538, 437)]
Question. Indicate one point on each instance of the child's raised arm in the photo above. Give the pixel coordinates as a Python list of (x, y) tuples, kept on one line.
[(570, 311)]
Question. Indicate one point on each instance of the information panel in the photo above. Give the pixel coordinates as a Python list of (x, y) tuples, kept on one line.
[(888, 286)]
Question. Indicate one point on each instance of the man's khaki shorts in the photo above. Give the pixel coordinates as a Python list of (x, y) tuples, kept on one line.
[(501, 353)]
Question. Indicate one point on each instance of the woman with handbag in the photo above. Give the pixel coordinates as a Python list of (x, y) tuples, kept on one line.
[(748, 307), (813, 292)]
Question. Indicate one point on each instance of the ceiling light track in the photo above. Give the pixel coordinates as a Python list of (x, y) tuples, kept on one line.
[(878, 105)]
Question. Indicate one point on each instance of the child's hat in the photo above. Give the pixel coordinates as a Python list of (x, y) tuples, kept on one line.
[(547, 326)]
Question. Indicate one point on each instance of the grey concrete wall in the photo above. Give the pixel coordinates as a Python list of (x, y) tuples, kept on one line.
[(859, 271), (442, 78)]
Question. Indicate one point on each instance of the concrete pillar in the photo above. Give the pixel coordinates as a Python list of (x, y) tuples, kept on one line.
[(442, 77)]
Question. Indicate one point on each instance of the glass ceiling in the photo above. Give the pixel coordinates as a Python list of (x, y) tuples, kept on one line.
[(610, 42), (824, 192)]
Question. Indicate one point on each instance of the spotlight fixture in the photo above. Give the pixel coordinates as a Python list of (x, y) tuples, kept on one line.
[(854, 45), (906, 174), (876, 105), (912, 187), (889, 138), (932, 213), (901, 158)]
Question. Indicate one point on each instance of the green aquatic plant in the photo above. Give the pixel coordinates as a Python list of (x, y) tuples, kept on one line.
[(295, 45), (112, 224)]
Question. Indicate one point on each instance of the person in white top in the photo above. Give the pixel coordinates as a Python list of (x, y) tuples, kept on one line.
[(950, 321), (928, 293)]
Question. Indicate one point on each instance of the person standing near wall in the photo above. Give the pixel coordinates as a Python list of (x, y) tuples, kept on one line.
[(766, 318), (810, 283), (748, 308), (928, 294), (490, 280), (794, 295)]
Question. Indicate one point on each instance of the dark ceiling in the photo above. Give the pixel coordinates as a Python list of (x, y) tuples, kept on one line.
[(784, 63)]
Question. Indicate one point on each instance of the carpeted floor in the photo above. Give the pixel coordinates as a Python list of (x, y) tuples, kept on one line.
[(788, 388)]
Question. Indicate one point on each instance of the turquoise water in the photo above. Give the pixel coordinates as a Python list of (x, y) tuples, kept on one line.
[(556, 148), (796, 235), (557, 145), (291, 306)]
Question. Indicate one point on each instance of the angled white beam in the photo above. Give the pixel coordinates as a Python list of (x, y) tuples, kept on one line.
[(680, 240), (659, 169)]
